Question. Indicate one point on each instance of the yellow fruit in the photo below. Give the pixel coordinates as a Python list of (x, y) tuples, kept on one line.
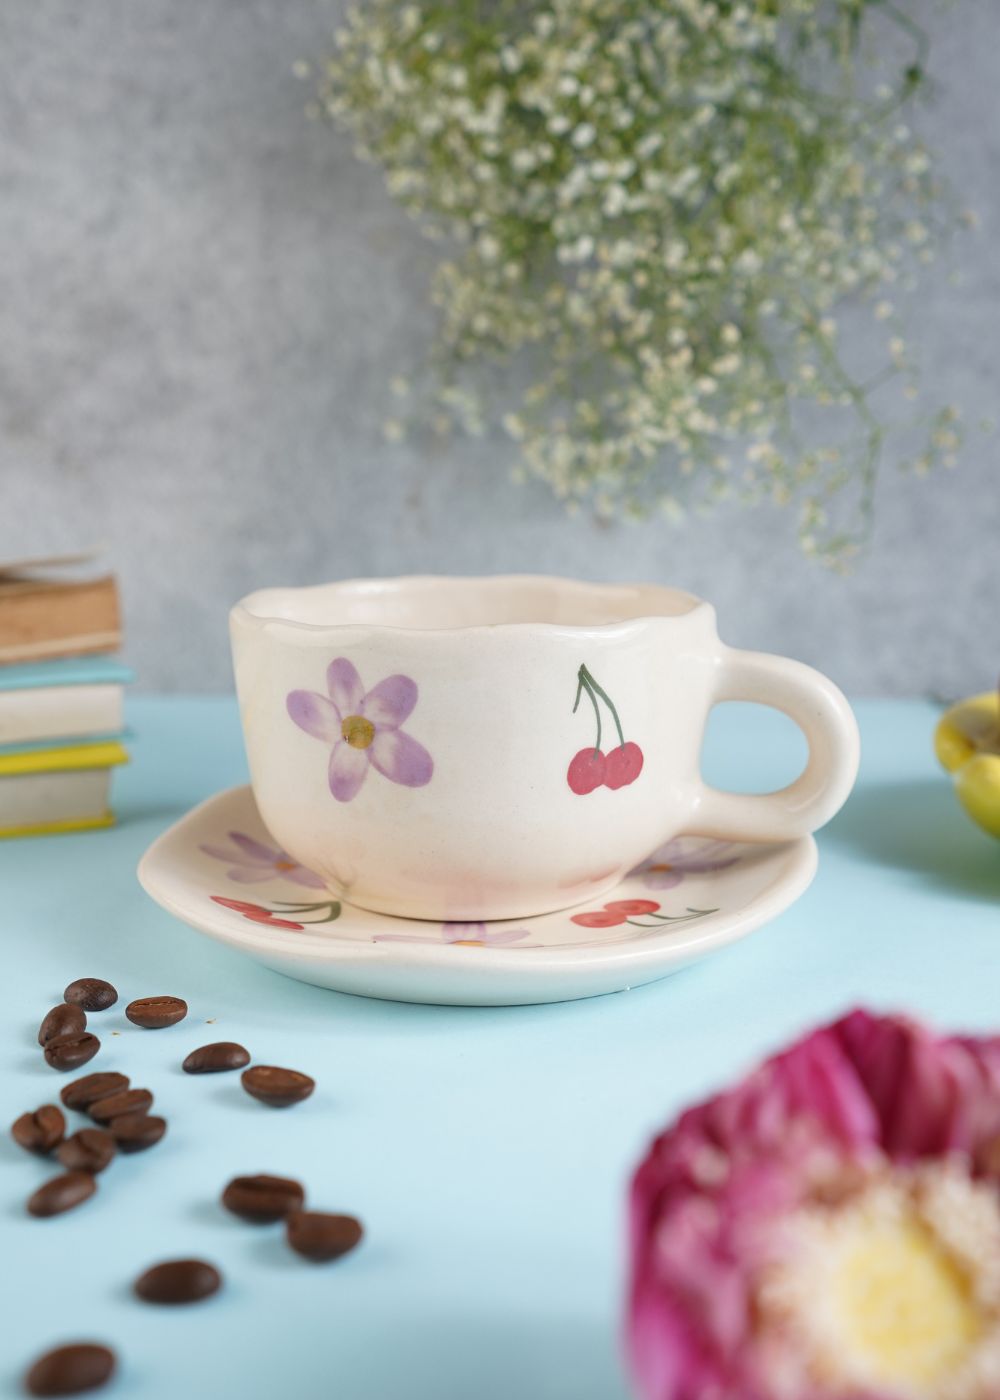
[(967, 744)]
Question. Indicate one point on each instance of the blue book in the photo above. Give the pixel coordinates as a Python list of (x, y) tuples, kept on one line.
[(65, 670), (114, 736)]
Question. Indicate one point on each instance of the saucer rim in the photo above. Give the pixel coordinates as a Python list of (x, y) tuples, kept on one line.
[(660, 949)]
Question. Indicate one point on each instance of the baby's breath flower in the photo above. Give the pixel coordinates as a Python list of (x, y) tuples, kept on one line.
[(614, 183)]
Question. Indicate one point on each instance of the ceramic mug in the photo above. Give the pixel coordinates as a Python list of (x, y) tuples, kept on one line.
[(494, 748)]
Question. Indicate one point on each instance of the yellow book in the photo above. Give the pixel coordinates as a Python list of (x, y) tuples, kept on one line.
[(57, 828), (63, 759), (59, 789)]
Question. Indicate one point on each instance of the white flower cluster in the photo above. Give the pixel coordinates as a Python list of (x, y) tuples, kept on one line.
[(657, 207)]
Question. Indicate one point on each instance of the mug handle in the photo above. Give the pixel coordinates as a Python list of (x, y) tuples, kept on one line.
[(827, 721)]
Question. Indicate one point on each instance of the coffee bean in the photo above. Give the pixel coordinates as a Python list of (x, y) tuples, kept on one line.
[(61, 1020), (153, 1013), (134, 1132), (62, 1193), (128, 1101), (71, 1051), (212, 1059), (89, 1150), (179, 1281), (92, 993), (39, 1131), (320, 1237), (277, 1087), (71, 1369), (83, 1092), (263, 1199)]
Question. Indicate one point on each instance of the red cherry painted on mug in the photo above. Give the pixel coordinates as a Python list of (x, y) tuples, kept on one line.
[(623, 766), (631, 907), (586, 771)]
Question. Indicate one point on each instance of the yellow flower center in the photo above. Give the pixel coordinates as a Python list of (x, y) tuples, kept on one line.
[(284, 865), (358, 731), (896, 1288), (903, 1305), (467, 943)]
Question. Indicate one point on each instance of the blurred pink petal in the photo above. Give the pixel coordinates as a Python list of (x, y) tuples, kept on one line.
[(867, 1104)]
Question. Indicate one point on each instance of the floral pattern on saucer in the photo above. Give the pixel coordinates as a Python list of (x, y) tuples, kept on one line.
[(666, 867), (251, 862), (462, 936), (328, 910), (620, 939)]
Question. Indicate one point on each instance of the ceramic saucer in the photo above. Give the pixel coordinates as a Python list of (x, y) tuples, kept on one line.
[(218, 870)]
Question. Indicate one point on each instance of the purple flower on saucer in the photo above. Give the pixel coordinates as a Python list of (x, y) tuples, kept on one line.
[(364, 727), (463, 935), (669, 863), (251, 862)]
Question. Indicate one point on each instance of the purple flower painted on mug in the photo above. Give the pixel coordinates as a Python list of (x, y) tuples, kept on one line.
[(251, 862), (478, 935), (364, 729), (669, 863)]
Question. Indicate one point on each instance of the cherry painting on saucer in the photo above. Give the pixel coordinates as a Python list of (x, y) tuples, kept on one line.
[(592, 768)]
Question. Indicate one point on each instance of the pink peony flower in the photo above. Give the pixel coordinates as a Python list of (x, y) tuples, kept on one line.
[(829, 1229), (364, 729)]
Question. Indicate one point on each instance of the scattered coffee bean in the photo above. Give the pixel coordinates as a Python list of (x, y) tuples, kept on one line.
[(62, 1020), (134, 1132), (263, 1199), (179, 1281), (92, 993), (71, 1051), (83, 1092), (39, 1131), (89, 1150), (277, 1087), (154, 1013), (127, 1101), (70, 1370), (62, 1193), (321, 1237), (213, 1059)]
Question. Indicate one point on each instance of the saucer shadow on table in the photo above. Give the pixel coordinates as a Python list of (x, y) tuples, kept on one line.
[(918, 826)]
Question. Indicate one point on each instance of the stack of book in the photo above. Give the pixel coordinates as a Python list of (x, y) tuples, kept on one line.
[(61, 694)]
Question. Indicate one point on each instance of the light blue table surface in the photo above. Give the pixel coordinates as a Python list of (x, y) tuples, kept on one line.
[(487, 1151)]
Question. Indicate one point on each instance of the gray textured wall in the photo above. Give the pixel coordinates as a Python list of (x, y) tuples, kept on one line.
[(203, 296)]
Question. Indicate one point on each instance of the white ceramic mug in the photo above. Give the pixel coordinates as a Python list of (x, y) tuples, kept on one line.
[(493, 748)]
